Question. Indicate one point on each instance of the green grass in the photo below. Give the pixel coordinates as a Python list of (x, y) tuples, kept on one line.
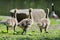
[(30, 35), (52, 35), (1, 19), (54, 21)]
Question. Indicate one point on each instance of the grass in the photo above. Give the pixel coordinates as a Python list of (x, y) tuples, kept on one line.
[(30, 35), (54, 21), (1, 19), (52, 35)]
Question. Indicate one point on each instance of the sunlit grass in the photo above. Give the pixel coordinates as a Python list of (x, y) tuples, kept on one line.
[(30, 35), (1, 19), (52, 35), (54, 21)]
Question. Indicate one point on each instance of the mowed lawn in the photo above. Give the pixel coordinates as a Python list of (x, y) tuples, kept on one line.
[(33, 32)]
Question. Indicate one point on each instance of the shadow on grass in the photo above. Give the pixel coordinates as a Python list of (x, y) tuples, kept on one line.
[(16, 33), (3, 32)]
